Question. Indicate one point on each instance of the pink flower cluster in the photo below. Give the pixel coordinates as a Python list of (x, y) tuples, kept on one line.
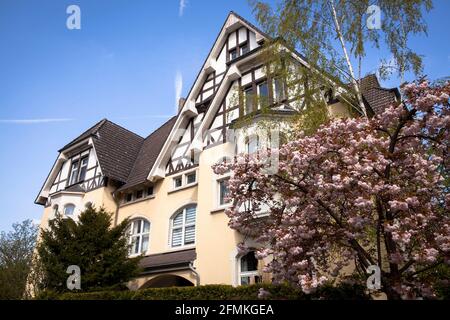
[(357, 188)]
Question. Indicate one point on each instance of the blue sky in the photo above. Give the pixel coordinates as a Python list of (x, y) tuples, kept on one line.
[(122, 65)]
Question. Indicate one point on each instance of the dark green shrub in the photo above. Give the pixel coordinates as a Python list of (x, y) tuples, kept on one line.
[(216, 292)]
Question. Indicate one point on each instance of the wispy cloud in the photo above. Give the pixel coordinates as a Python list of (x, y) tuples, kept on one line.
[(178, 88), (181, 7), (34, 121)]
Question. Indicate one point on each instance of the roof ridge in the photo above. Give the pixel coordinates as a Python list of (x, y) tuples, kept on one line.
[(118, 125), (85, 132)]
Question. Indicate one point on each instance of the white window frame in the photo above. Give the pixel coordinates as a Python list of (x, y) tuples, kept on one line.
[(174, 183), (188, 174), (277, 98), (258, 90), (183, 228), (183, 177), (139, 236), (65, 207), (252, 273), (219, 180)]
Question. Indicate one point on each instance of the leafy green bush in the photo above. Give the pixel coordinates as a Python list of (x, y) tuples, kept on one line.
[(216, 292)]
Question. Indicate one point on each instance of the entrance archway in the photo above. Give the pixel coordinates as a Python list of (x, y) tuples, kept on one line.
[(167, 280)]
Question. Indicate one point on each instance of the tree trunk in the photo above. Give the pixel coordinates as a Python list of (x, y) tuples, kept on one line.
[(347, 59)]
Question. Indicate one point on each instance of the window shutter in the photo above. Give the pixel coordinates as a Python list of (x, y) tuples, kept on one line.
[(176, 237), (190, 215)]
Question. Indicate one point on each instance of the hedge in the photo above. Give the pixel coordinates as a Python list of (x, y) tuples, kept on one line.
[(217, 292)]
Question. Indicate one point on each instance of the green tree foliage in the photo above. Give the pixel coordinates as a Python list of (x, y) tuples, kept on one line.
[(16, 251), (100, 250), (333, 37)]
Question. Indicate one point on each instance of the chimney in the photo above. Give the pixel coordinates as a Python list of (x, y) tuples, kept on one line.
[(181, 103)]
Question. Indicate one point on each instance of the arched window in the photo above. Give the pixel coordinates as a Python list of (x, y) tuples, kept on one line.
[(183, 227), (69, 209), (139, 236), (248, 269), (55, 210)]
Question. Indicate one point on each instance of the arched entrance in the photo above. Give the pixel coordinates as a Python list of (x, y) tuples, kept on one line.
[(167, 280)]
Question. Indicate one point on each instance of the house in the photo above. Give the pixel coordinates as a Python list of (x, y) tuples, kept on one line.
[(164, 182)]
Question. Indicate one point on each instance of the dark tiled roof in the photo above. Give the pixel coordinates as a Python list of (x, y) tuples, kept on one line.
[(167, 259), (148, 153), (123, 155), (88, 133), (377, 97), (116, 149)]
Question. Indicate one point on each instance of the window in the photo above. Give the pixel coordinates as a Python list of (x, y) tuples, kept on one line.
[(263, 94), (149, 191), (248, 100), (55, 210), (190, 178), (139, 194), (83, 169), (183, 227), (177, 182), (74, 172), (69, 209), (129, 197), (78, 170), (139, 236), (233, 54), (278, 90), (244, 49), (223, 192), (252, 144), (248, 269)]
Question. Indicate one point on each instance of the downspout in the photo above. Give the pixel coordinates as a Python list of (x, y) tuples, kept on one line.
[(116, 201), (194, 271)]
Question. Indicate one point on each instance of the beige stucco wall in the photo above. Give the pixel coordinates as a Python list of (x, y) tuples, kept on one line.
[(215, 241), (338, 110)]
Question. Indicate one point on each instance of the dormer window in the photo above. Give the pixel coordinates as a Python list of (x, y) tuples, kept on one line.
[(78, 170)]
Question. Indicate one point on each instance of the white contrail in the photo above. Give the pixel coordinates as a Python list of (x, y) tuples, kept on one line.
[(178, 88), (33, 121), (183, 4)]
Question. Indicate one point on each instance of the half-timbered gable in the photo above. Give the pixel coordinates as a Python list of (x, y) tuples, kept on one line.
[(164, 183)]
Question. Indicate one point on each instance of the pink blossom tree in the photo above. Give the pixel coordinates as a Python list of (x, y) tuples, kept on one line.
[(357, 192)]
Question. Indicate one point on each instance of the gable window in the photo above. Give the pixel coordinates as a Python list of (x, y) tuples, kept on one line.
[(278, 90), (263, 94), (177, 182), (191, 178), (248, 269), (248, 100), (183, 227), (139, 236), (223, 192), (233, 54), (69, 209), (244, 48)]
